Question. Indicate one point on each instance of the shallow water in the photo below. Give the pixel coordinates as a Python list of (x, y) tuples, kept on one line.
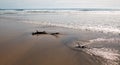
[(101, 21), (106, 49)]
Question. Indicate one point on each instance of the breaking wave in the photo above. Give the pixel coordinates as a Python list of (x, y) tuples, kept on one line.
[(70, 11)]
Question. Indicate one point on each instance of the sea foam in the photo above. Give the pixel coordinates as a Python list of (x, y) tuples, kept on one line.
[(104, 48), (103, 29)]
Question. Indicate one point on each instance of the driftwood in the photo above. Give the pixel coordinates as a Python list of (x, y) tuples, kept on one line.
[(80, 46), (37, 32), (44, 32), (55, 33)]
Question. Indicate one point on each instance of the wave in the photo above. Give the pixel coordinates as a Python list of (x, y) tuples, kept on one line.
[(22, 11), (16, 11), (74, 11), (100, 42), (111, 56), (111, 40), (104, 48), (102, 29), (96, 21)]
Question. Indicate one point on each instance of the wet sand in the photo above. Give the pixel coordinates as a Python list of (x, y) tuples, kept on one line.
[(19, 47)]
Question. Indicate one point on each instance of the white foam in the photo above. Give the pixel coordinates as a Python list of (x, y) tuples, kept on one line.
[(111, 56), (110, 40), (78, 27), (99, 42)]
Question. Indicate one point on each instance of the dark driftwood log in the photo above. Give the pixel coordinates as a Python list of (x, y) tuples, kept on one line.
[(43, 32), (37, 32), (79, 46), (55, 33)]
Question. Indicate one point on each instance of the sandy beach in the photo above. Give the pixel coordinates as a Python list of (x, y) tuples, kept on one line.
[(19, 47)]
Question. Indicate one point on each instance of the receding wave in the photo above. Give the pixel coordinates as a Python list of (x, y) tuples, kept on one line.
[(111, 56), (104, 48)]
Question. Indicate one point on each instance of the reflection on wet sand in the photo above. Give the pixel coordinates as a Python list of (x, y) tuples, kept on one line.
[(21, 48)]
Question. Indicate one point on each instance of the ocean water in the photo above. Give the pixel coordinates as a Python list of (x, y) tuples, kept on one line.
[(100, 21), (103, 21), (105, 50)]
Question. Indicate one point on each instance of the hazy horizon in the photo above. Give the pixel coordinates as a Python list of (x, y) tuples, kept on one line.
[(39, 4), (83, 9)]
